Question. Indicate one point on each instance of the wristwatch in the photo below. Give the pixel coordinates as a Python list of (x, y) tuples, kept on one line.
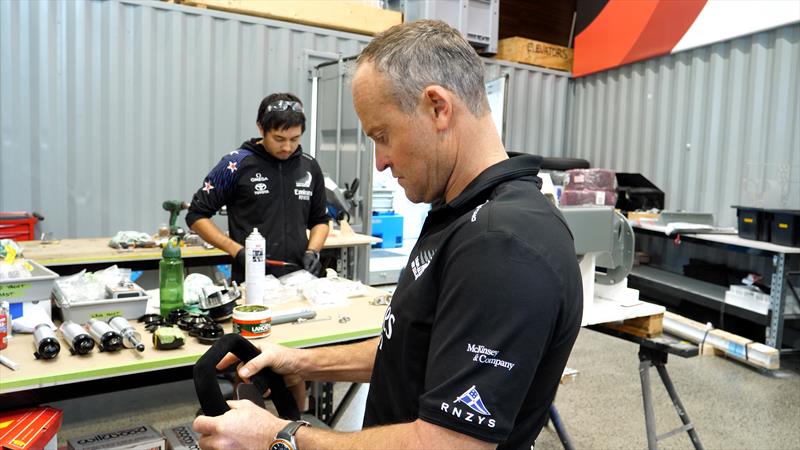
[(285, 440)]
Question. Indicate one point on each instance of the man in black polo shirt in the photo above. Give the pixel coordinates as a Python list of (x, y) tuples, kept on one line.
[(489, 306)]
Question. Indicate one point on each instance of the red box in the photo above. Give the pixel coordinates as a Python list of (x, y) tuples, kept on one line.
[(17, 226), (29, 429)]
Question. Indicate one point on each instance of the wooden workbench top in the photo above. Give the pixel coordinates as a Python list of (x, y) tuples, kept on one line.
[(92, 250), (365, 320)]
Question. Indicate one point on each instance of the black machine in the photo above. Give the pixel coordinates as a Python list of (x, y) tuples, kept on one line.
[(635, 192)]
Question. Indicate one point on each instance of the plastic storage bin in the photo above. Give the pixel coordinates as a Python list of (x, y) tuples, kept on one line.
[(753, 223), (785, 229), (389, 227), (81, 310), (33, 289)]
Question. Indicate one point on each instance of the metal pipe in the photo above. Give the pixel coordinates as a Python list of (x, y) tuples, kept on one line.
[(340, 78), (314, 107)]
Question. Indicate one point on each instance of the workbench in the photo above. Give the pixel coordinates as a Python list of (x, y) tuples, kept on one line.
[(69, 256), (67, 376)]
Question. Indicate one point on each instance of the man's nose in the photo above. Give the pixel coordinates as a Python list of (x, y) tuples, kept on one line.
[(381, 162)]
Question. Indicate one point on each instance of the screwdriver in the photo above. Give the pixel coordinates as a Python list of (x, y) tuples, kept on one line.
[(277, 263)]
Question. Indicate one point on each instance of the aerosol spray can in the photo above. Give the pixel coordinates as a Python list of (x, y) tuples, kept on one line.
[(5, 324), (255, 248), (79, 341)]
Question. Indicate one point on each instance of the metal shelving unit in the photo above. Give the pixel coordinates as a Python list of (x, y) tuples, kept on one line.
[(713, 296)]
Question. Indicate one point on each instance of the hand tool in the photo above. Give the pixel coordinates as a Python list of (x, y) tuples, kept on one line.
[(8, 362), (132, 338), (301, 320), (277, 263), (293, 315), (175, 207)]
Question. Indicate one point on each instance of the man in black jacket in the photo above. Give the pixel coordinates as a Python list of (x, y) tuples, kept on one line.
[(270, 184)]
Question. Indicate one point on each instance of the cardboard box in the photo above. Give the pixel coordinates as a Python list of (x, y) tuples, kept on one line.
[(140, 437), (31, 428), (528, 51), (182, 437)]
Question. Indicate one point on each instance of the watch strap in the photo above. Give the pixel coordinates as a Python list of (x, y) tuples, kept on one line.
[(289, 430)]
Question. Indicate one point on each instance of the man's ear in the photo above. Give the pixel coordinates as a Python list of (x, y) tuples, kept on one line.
[(438, 102)]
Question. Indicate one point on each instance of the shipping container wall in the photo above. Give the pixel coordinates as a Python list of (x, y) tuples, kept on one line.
[(536, 107), (712, 127), (108, 108)]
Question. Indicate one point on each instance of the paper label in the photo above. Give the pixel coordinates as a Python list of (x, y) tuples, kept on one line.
[(600, 198), (105, 314), (13, 290)]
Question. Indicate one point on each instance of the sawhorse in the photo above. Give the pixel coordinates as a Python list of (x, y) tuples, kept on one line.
[(653, 352)]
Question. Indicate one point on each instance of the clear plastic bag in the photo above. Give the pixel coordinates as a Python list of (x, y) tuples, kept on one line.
[(324, 292), (13, 271), (297, 278)]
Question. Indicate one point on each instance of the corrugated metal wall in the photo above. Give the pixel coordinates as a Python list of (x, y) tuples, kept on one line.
[(696, 123), (107, 108), (536, 108)]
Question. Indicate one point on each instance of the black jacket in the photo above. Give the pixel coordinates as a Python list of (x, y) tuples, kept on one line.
[(281, 198)]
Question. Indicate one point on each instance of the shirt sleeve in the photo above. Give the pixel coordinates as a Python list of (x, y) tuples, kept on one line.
[(319, 203), (217, 188), (498, 305)]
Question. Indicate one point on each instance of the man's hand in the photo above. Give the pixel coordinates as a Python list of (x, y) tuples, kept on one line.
[(282, 360), (244, 426), (240, 257), (311, 262)]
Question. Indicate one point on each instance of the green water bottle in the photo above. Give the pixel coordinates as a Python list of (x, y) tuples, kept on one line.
[(170, 276)]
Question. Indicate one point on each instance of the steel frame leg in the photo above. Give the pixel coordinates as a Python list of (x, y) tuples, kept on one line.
[(647, 398), (676, 401), (647, 358), (560, 430)]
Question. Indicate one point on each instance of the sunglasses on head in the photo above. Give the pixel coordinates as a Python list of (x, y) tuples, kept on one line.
[(283, 105)]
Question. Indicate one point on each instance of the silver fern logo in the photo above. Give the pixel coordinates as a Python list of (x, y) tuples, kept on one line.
[(421, 262), (304, 182)]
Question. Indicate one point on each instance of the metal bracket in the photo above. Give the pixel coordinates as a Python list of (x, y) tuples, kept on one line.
[(776, 301)]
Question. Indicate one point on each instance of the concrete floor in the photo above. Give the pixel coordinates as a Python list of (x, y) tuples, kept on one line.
[(732, 405)]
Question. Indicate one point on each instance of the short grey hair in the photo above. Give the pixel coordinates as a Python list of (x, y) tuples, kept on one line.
[(418, 54)]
